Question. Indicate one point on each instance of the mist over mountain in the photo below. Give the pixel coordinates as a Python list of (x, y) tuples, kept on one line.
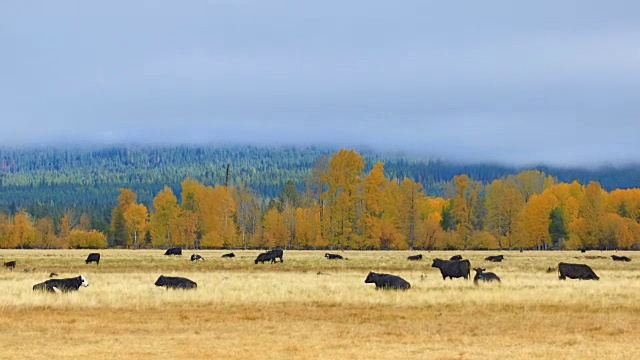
[(501, 82)]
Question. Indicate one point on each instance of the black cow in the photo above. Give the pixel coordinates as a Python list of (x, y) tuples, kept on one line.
[(10, 265), (196, 257), (175, 282), (63, 285), (576, 271), (53, 275), (455, 257), (93, 257), (495, 258), (484, 276), (270, 255), (415, 257), (229, 255), (620, 258), (333, 256), (453, 268), (174, 251), (387, 281)]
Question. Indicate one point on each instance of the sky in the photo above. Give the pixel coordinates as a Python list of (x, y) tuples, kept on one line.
[(537, 82)]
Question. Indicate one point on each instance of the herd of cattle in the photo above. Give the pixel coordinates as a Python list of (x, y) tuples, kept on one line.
[(455, 267)]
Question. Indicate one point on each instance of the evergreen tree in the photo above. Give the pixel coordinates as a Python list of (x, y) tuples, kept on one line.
[(558, 229), (118, 227)]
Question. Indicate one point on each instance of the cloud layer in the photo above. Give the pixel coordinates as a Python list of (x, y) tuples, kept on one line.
[(544, 82)]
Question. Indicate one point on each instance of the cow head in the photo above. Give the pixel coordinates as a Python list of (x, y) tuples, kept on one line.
[(479, 270), (84, 281), (160, 281), (371, 277), (436, 263)]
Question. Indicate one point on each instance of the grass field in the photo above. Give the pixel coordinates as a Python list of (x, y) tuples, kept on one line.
[(312, 308)]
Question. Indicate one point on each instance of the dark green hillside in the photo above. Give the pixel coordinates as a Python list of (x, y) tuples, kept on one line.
[(50, 180)]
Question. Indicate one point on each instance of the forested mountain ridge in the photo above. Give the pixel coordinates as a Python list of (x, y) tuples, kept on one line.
[(51, 180)]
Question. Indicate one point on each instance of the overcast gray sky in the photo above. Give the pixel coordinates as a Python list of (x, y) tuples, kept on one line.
[(543, 81)]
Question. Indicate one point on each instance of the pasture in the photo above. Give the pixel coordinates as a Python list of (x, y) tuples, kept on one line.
[(312, 308)]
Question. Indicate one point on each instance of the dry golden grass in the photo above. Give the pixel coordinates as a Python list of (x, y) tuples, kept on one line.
[(289, 311)]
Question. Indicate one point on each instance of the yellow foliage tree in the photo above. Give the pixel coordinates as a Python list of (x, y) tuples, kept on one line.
[(535, 218), (24, 233), (345, 169), (166, 212), (410, 197), (429, 232), (82, 239), (465, 206), (307, 228), (373, 192), (65, 226), (276, 231), (183, 228), (47, 238), (390, 237), (624, 202), (592, 211), (504, 203), (248, 214), (136, 221)]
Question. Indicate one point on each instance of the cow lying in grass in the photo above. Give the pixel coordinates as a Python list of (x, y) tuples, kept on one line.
[(484, 276), (387, 281), (174, 282), (620, 258)]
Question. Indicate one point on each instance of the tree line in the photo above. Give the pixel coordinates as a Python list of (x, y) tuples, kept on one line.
[(50, 181), (345, 204)]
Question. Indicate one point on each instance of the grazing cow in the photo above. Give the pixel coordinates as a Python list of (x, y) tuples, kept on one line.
[(576, 271), (93, 257), (175, 282), (333, 256), (620, 258), (270, 255), (53, 275), (63, 285), (455, 257), (196, 257), (583, 250), (484, 276), (10, 265), (174, 251), (453, 268), (495, 258), (387, 281), (229, 255), (415, 257)]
